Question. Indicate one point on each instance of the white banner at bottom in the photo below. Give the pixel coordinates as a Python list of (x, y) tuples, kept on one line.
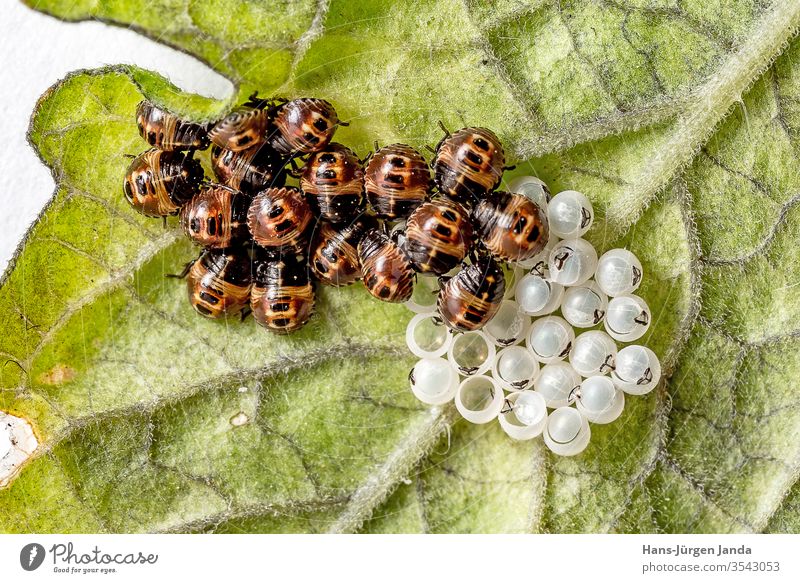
[(407, 558)]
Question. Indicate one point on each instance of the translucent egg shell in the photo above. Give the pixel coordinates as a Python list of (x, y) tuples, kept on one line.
[(593, 353), (572, 262), (433, 381), (427, 337), (627, 318), (509, 324), (550, 339), (532, 187), (619, 272), (570, 214), (479, 399), (585, 305), (566, 432), (599, 400), (515, 368), (524, 415), (557, 383), (423, 298), (638, 370), (537, 296), (471, 353)]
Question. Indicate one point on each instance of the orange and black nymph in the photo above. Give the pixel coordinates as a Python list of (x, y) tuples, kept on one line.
[(469, 299), (216, 217), (334, 250), (249, 170), (280, 217), (302, 126), (334, 180), (397, 180), (244, 127), (219, 282), (166, 131), (158, 183), (438, 236), (468, 164), (387, 272), (282, 298), (511, 226)]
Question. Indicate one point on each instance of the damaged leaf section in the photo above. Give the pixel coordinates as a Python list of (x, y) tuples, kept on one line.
[(17, 444)]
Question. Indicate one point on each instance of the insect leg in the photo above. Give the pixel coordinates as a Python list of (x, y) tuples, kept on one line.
[(186, 268), (246, 311), (295, 171)]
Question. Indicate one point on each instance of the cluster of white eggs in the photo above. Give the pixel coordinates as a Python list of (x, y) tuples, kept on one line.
[(527, 367)]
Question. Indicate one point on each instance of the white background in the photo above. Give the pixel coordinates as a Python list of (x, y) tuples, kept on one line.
[(35, 52)]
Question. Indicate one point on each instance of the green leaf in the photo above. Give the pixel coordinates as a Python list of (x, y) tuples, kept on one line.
[(678, 122)]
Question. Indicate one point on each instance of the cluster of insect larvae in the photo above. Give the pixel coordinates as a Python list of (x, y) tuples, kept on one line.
[(409, 230), (382, 220), (526, 367)]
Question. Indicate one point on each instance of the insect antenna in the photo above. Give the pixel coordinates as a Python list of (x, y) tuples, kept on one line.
[(440, 123), (185, 271)]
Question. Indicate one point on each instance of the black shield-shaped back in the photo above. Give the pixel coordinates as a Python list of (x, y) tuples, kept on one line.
[(158, 183), (511, 226), (243, 128), (282, 298), (334, 180), (302, 126), (397, 180), (438, 236), (219, 282), (249, 170), (472, 297), (469, 164), (334, 250), (216, 217), (166, 131), (386, 270)]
